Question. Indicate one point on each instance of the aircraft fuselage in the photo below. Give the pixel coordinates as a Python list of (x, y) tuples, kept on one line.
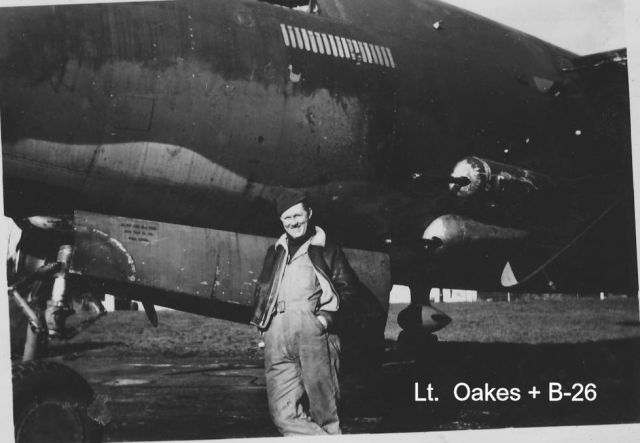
[(196, 112)]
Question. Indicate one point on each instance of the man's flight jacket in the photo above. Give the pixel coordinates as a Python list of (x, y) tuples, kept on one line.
[(336, 277)]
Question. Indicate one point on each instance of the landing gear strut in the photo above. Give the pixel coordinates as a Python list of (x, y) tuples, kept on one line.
[(52, 403)]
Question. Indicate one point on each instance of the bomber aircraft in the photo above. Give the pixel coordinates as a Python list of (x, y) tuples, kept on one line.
[(144, 146)]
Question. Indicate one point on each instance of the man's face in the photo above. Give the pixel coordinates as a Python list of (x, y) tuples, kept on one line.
[(295, 220)]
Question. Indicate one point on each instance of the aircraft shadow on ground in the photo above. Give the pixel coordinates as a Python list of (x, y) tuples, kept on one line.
[(612, 366)]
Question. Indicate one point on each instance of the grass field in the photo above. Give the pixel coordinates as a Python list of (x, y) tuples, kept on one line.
[(179, 334), (186, 335), (538, 321)]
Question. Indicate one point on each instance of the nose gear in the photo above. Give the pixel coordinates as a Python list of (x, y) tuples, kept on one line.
[(57, 308)]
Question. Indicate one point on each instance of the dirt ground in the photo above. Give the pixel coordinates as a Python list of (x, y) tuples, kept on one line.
[(199, 378)]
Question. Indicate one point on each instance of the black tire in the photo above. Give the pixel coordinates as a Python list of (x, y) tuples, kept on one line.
[(50, 404)]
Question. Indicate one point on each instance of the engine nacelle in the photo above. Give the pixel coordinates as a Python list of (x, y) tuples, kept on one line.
[(496, 179)]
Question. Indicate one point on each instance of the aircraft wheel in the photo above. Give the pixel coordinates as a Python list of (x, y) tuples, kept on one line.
[(50, 404)]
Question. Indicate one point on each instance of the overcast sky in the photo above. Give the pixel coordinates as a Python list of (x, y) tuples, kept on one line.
[(581, 26)]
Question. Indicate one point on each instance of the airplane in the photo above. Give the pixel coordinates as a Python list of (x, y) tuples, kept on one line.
[(144, 146)]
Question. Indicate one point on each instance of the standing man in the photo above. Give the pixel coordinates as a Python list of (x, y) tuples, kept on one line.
[(304, 279)]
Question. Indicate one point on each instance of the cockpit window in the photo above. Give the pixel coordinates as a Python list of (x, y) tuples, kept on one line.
[(308, 6)]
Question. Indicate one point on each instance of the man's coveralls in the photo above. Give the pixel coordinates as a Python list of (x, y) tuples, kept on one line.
[(301, 357)]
